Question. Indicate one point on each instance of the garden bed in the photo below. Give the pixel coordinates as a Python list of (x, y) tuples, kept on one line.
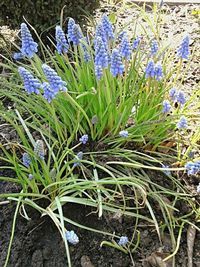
[(37, 241)]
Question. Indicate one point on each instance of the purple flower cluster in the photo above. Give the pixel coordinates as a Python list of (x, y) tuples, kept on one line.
[(29, 47), (166, 106), (31, 84), (154, 47), (125, 47), (26, 159), (172, 93), (101, 54), (76, 35), (136, 43), (72, 237), (154, 71), (84, 139), (107, 26), (182, 124), (54, 80), (86, 55), (61, 41), (48, 93), (100, 33), (192, 167), (117, 66), (70, 25), (183, 50), (101, 57), (180, 97)]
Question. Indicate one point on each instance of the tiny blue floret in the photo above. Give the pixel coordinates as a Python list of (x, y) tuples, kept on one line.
[(84, 139), (72, 237), (123, 133), (123, 241), (17, 56)]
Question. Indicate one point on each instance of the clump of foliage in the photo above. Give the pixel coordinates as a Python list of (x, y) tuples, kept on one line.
[(87, 101)]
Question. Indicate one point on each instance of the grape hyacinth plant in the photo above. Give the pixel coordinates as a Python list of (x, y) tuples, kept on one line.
[(116, 101)]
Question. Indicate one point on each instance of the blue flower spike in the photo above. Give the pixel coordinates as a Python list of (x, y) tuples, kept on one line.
[(180, 97), (123, 134), (26, 159), (158, 73), (101, 55), (39, 149), (166, 106), (183, 51), (192, 167), (123, 241), (154, 47), (107, 26), (71, 23), (136, 43), (101, 33), (172, 93), (61, 41), (76, 35), (117, 67), (31, 84), (29, 47), (72, 237), (150, 70), (125, 47), (182, 124)]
